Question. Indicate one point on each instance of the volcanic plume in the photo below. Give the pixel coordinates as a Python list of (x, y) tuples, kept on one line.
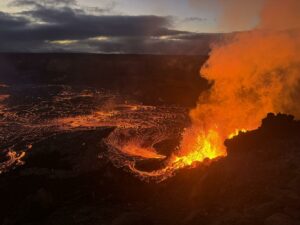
[(251, 73)]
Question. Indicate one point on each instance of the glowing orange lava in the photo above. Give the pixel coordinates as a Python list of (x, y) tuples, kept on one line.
[(136, 150), (196, 146), (14, 159)]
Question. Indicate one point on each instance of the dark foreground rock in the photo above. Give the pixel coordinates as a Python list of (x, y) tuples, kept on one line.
[(64, 182)]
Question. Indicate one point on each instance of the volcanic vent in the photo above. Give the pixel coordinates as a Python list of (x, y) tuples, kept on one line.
[(251, 73)]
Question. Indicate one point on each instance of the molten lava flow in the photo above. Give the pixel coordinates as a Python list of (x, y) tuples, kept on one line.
[(251, 73), (13, 160), (134, 149), (197, 146)]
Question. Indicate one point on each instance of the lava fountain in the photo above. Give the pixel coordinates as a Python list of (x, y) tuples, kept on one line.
[(251, 73)]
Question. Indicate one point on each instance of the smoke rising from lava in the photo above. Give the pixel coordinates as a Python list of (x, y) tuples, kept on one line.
[(252, 73)]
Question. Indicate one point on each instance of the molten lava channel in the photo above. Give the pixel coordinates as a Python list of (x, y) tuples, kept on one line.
[(197, 146)]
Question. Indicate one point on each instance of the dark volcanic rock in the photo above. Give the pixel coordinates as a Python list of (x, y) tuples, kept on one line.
[(151, 79), (3, 156), (36, 206), (62, 183), (279, 219), (132, 219), (75, 152), (166, 147), (150, 165)]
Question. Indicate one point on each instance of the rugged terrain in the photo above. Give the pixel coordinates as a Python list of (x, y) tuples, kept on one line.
[(69, 177), (65, 182)]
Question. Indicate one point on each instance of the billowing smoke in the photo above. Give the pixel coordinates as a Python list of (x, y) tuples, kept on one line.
[(252, 73)]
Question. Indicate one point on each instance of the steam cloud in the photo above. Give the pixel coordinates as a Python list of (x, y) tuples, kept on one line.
[(253, 72)]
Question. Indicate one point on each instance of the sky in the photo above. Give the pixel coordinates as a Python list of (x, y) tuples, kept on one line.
[(113, 26)]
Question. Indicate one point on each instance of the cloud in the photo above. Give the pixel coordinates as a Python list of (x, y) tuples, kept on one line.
[(172, 44), (43, 3), (47, 28), (194, 19), (10, 22)]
